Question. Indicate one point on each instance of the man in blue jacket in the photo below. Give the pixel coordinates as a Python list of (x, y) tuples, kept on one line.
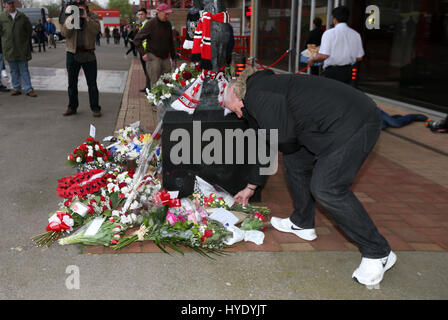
[(50, 30), (326, 129)]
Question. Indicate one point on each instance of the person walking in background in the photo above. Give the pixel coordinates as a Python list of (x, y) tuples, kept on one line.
[(80, 46), (142, 16), (40, 34), (15, 33), (107, 32), (340, 48), (131, 36), (2, 68), (313, 42), (50, 30), (159, 52), (116, 35), (124, 35)]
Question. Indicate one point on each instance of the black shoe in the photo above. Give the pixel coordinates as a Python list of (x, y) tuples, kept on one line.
[(3, 89), (419, 117), (143, 90)]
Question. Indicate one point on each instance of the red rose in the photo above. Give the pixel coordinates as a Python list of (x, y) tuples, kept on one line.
[(71, 157), (208, 233), (105, 158), (92, 201), (66, 203), (131, 172), (204, 221), (105, 208), (83, 147), (177, 77), (182, 83), (203, 239), (90, 139), (187, 75), (110, 203), (157, 136), (122, 185), (89, 159), (90, 209), (198, 68), (102, 198), (165, 81), (114, 241), (121, 195)]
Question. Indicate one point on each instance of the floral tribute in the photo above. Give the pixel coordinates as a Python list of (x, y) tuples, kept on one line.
[(107, 204), (90, 152)]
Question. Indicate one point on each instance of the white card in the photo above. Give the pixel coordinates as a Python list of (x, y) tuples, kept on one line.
[(92, 131), (108, 138), (113, 145), (80, 208), (135, 124), (173, 194), (95, 225), (224, 216)]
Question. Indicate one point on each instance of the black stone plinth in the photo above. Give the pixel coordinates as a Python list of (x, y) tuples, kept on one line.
[(231, 177)]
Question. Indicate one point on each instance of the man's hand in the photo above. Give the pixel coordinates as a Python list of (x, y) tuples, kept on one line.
[(310, 62), (243, 196), (145, 57)]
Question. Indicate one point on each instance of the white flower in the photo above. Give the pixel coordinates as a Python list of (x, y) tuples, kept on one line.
[(143, 198), (125, 190), (133, 217), (78, 159), (167, 95), (128, 180), (115, 213), (182, 67), (135, 205), (90, 153), (100, 160), (117, 236), (133, 154), (170, 85), (97, 148)]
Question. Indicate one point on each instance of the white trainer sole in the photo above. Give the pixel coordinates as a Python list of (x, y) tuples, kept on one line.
[(305, 234)]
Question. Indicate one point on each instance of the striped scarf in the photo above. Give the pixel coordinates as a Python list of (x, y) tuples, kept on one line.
[(189, 100), (202, 48)]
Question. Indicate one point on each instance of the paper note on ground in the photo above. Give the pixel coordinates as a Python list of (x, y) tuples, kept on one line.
[(224, 216)]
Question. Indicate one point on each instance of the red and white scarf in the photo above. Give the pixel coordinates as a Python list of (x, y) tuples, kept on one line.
[(202, 48), (189, 100)]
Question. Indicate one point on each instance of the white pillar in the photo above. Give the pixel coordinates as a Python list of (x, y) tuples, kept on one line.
[(312, 13), (291, 35), (329, 10), (299, 29), (336, 3)]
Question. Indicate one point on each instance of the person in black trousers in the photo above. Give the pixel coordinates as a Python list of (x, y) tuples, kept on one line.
[(314, 38), (325, 130), (131, 34), (40, 34)]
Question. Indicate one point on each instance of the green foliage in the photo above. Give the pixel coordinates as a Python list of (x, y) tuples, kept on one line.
[(123, 5)]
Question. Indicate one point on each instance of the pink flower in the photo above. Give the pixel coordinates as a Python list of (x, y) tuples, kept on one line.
[(191, 216), (181, 217), (157, 200), (171, 218)]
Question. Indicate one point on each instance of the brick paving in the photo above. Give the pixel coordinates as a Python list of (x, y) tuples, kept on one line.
[(403, 185)]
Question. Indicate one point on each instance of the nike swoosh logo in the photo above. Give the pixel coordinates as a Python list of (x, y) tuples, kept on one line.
[(384, 263), (293, 228)]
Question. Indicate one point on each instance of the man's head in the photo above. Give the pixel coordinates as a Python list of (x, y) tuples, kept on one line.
[(317, 22), (10, 6), (231, 100), (163, 12), (141, 14), (48, 20), (340, 15)]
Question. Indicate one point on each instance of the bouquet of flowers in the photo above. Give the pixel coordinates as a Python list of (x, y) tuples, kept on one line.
[(181, 77), (255, 222), (91, 152), (108, 233)]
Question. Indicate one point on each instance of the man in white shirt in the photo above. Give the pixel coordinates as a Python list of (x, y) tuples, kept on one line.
[(341, 47)]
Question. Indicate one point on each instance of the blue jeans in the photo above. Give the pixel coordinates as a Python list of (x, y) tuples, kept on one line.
[(20, 75), (394, 121)]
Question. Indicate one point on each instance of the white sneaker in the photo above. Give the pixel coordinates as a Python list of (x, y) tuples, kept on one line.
[(371, 271), (4, 74), (285, 225)]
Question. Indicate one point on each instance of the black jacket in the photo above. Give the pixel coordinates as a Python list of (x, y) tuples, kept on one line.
[(317, 113), (315, 36)]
